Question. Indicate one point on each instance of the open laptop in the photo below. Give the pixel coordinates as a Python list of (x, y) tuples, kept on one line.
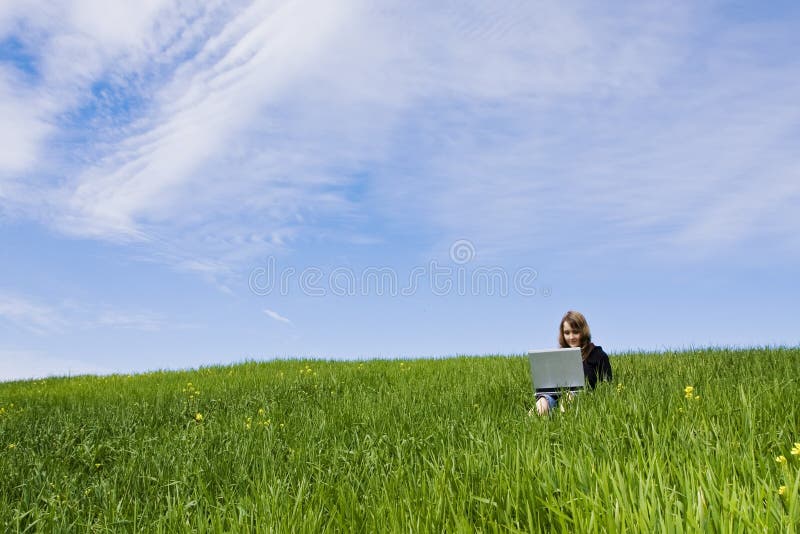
[(553, 370)]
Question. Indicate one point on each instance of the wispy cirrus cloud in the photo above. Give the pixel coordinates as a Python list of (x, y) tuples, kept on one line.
[(176, 104), (656, 134), (32, 316), (143, 321), (229, 132), (22, 131), (44, 319), (28, 364), (276, 316)]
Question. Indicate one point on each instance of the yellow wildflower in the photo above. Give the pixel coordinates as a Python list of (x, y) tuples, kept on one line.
[(697, 397), (688, 390), (12, 445), (796, 449), (781, 459), (261, 411), (198, 417), (782, 490)]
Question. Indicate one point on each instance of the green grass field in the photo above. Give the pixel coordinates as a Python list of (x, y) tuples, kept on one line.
[(414, 445)]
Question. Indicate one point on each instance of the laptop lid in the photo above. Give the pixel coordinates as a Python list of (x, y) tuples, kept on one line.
[(555, 369)]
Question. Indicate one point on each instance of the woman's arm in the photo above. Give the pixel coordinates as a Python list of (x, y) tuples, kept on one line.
[(605, 367), (597, 367)]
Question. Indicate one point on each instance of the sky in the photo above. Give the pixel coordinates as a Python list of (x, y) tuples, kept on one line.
[(185, 184)]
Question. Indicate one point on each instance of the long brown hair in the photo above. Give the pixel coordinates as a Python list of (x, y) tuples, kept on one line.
[(577, 321)]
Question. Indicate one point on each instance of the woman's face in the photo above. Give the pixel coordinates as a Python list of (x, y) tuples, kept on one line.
[(571, 336)]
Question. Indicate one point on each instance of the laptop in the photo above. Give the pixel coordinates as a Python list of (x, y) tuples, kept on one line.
[(554, 370)]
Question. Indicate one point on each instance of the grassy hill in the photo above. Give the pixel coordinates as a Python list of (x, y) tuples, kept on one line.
[(420, 445)]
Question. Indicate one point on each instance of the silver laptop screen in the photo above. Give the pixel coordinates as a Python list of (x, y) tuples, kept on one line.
[(556, 369)]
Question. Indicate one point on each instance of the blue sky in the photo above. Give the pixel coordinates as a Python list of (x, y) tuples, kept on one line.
[(157, 159)]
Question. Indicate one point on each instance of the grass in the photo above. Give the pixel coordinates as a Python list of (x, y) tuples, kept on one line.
[(420, 445)]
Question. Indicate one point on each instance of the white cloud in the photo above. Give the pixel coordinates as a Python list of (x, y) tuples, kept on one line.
[(190, 165), (32, 316), (21, 131), (54, 318), (634, 146), (275, 315), (133, 321), (27, 364), (509, 123)]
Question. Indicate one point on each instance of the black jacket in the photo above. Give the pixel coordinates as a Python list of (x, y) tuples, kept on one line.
[(597, 365)]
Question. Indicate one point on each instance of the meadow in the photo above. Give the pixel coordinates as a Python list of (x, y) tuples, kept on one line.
[(700, 440)]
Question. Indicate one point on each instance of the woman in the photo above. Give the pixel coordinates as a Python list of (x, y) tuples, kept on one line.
[(574, 332)]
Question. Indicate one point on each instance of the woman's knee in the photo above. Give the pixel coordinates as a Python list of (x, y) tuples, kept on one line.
[(542, 406)]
